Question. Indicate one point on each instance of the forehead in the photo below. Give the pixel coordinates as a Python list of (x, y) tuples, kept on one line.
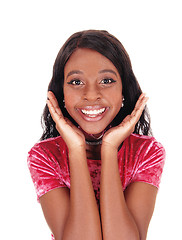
[(84, 59)]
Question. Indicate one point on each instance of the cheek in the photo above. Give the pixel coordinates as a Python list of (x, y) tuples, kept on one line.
[(115, 96), (118, 105), (116, 100), (70, 102)]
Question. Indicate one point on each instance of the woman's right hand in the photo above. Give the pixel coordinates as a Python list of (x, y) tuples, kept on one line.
[(72, 136)]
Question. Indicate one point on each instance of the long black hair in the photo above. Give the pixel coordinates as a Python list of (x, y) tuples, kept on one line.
[(110, 47)]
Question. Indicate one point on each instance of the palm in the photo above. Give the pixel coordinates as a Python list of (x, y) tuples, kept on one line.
[(70, 133), (116, 135)]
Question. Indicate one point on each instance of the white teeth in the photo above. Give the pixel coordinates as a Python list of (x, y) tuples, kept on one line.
[(93, 112)]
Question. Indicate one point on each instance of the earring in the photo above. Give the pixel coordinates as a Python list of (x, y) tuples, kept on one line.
[(64, 103), (122, 105)]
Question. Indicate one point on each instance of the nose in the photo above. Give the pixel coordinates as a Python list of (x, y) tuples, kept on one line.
[(92, 93)]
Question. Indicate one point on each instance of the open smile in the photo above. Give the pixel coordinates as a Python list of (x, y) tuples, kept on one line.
[(93, 113)]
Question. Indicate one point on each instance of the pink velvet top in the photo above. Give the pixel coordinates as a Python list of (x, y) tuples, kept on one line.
[(140, 159)]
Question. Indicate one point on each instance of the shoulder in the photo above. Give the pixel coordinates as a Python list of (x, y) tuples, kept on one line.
[(144, 144), (49, 145), (139, 150), (49, 149), (144, 157), (48, 165), (138, 139)]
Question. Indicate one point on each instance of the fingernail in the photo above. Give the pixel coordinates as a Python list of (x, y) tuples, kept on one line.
[(145, 95)]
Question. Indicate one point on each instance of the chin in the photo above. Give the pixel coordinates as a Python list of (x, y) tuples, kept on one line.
[(93, 130)]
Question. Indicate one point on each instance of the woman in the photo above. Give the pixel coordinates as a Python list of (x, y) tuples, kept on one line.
[(94, 178)]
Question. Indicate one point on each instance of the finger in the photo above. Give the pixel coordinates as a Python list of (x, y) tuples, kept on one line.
[(126, 120), (76, 129), (142, 98), (54, 103), (141, 101), (139, 107), (70, 123), (55, 116)]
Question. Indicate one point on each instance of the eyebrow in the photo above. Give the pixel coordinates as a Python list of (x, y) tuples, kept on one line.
[(74, 72), (108, 70), (102, 71)]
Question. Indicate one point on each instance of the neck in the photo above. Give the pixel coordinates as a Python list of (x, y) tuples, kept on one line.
[(97, 142), (93, 151)]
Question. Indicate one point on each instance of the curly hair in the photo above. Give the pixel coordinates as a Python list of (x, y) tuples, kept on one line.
[(110, 47)]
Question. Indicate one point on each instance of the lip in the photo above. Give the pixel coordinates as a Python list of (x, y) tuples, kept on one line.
[(92, 117)]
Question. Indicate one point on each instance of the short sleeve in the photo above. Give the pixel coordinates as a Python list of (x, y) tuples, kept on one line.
[(151, 165), (44, 171)]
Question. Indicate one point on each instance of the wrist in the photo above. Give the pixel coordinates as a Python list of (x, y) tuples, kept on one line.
[(108, 150), (108, 147), (74, 147), (77, 151)]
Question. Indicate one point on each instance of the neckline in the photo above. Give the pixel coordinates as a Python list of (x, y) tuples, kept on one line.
[(99, 160)]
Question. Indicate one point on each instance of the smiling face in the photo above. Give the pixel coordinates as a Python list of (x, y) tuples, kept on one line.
[(92, 90)]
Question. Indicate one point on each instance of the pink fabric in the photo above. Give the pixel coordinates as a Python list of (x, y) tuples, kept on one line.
[(140, 159)]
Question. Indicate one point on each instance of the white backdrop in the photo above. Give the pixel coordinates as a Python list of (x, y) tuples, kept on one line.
[(32, 32)]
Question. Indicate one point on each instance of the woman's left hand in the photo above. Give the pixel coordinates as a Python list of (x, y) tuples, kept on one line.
[(116, 135)]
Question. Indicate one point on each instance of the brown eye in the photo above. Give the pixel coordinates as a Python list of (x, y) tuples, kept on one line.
[(107, 81), (75, 82)]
